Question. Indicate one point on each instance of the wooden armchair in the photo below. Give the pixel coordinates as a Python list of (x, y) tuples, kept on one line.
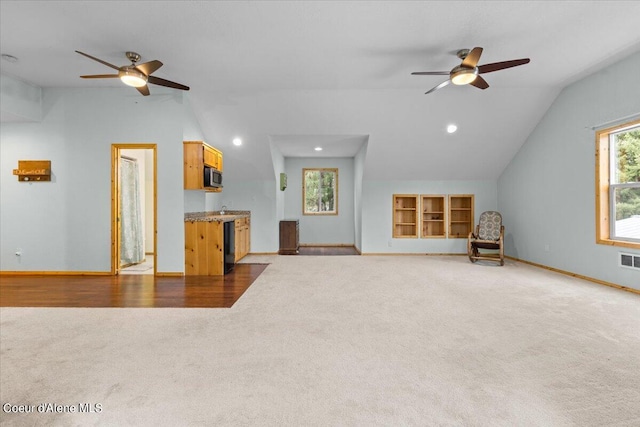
[(488, 235)]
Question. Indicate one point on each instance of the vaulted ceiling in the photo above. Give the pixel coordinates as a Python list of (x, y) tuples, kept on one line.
[(296, 74)]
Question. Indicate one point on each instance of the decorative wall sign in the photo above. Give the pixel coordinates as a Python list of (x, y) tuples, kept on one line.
[(33, 170)]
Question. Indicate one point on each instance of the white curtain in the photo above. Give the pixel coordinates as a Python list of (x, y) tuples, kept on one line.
[(131, 231)]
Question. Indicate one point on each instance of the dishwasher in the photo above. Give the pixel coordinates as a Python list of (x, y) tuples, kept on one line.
[(229, 246)]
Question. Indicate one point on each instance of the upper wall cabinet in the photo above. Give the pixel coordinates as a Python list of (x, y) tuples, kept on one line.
[(212, 157), (197, 155)]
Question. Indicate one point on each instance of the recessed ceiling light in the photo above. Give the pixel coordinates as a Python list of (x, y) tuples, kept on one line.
[(452, 128), (237, 141), (9, 58), (318, 148)]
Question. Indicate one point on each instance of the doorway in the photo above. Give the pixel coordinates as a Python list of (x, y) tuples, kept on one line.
[(133, 209)]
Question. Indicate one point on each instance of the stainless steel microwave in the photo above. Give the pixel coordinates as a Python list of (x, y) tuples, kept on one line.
[(212, 177)]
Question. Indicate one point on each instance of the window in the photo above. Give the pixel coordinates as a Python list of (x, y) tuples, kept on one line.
[(618, 185), (320, 191)]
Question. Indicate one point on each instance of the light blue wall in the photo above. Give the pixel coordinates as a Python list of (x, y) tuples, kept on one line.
[(358, 173), (194, 200), (259, 197), (547, 192), (20, 101), (322, 229), (278, 167), (377, 214), (65, 224)]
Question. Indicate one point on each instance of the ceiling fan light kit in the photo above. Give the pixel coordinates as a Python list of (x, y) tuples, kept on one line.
[(468, 72), (463, 76), (132, 77), (135, 75)]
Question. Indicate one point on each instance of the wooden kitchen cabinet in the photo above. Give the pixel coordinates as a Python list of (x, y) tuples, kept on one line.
[(197, 155), (212, 157), (242, 238), (289, 237)]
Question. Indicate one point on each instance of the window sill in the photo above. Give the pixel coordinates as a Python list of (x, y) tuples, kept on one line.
[(620, 243)]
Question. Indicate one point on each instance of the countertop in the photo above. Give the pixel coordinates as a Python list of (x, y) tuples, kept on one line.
[(215, 216)]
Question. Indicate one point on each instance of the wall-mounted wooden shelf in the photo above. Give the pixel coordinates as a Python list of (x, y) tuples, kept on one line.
[(33, 170)]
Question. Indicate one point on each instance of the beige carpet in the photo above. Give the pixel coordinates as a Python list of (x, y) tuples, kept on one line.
[(341, 341)]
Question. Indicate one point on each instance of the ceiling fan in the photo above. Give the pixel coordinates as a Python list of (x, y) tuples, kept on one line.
[(468, 71), (136, 75)]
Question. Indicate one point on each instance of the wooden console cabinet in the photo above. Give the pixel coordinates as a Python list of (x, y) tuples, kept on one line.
[(289, 237)]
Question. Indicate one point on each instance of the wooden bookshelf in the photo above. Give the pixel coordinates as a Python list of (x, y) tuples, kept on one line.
[(433, 216), (461, 216), (405, 214)]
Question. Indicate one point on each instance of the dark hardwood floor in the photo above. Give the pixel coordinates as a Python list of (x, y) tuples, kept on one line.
[(139, 290), (327, 250), (128, 290)]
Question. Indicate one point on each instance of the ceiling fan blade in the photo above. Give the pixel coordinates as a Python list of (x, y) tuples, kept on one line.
[(99, 60), (440, 86), (162, 82), (431, 73), (472, 58), (149, 67), (496, 66), (143, 90), (100, 76), (480, 83)]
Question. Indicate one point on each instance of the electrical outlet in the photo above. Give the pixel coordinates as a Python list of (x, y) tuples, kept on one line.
[(390, 243)]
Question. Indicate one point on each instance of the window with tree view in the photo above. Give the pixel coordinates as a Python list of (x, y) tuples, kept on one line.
[(625, 183), (619, 183), (320, 191)]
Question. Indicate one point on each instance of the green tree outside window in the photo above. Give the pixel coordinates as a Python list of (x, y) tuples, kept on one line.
[(627, 171), (320, 191)]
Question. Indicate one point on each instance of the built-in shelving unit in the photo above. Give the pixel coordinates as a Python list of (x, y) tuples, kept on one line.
[(460, 215), (405, 215), (433, 216)]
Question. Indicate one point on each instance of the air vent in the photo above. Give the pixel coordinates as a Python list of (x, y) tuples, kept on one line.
[(629, 261)]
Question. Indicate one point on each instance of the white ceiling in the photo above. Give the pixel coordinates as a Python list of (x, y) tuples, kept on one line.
[(296, 73)]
